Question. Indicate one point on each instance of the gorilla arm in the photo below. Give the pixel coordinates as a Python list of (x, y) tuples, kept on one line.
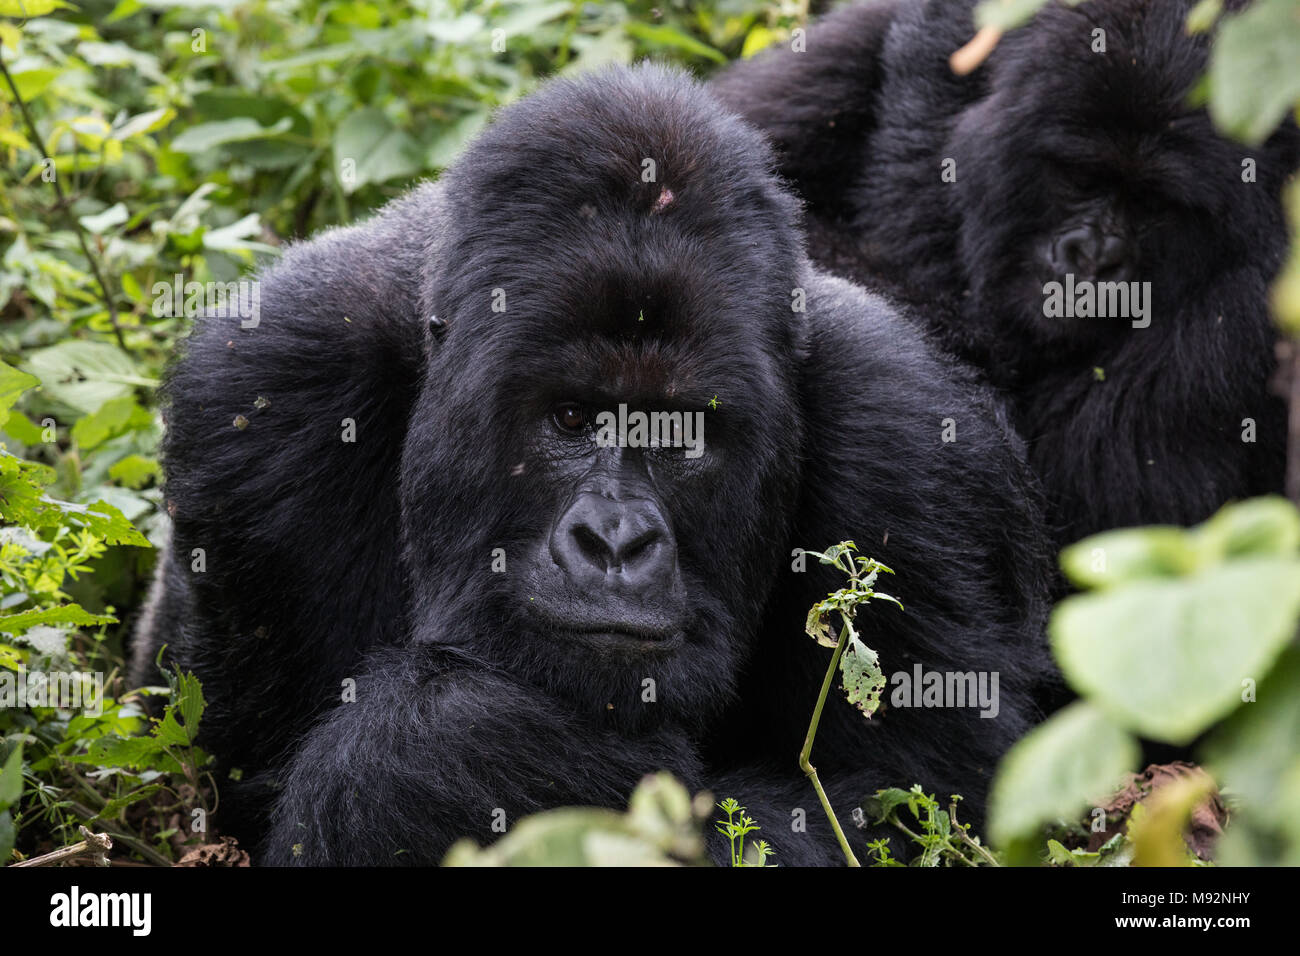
[(284, 541), (435, 747)]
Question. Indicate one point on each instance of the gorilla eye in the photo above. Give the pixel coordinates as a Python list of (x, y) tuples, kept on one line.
[(570, 417)]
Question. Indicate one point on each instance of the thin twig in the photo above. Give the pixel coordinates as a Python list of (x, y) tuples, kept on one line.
[(94, 844), (58, 190)]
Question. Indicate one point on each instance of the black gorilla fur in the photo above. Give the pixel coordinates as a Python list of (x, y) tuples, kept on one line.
[(479, 690), (1053, 142)]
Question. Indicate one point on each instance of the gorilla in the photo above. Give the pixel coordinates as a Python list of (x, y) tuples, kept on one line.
[(1057, 166), (421, 588)]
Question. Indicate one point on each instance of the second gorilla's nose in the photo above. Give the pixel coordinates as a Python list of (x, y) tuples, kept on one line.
[(1089, 252), (599, 536)]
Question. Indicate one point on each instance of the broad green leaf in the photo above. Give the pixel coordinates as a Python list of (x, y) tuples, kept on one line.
[(206, 136), (289, 148), (1166, 658), (1268, 526), (115, 417), (13, 382), (1119, 557), (449, 143), (368, 148), (1256, 754), (1254, 82), (83, 374), (22, 428), (1051, 773)]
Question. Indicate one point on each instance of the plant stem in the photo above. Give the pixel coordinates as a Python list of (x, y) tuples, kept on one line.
[(806, 765)]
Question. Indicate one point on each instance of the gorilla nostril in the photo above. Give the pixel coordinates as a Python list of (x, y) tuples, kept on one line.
[(1073, 251), (591, 546), (639, 547)]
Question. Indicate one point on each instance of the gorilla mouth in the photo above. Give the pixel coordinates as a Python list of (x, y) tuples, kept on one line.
[(623, 633)]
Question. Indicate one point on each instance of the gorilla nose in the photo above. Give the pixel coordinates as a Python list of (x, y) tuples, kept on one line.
[(1090, 253), (598, 536)]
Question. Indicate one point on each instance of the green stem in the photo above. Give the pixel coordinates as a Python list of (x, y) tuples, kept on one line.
[(806, 765)]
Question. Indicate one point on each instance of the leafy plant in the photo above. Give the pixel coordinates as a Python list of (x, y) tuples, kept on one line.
[(1181, 631), (735, 828), (942, 840), (862, 677)]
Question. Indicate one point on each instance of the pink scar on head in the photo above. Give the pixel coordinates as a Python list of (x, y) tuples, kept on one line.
[(666, 199)]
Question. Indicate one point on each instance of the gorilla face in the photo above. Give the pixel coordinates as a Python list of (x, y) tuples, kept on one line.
[(579, 290), (1092, 164)]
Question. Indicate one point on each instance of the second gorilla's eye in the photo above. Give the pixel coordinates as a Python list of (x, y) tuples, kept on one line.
[(570, 417)]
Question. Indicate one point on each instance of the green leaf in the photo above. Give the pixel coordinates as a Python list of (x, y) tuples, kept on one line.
[(1007, 14), (1166, 658), (1254, 82), (661, 37), (115, 417), (135, 471), (1118, 557), (190, 702), (207, 136), (65, 615), (1051, 773), (84, 374), (22, 428), (449, 143), (863, 679), (1256, 753), (368, 148), (100, 223), (11, 778), (26, 9), (143, 123), (13, 382), (1268, 526)]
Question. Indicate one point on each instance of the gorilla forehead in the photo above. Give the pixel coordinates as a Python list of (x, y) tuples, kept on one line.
[(560, 239), (1139, 84)]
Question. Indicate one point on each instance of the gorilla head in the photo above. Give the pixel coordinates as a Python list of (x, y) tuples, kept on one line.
[(1070, 223), (637, 264), (1087, 160)]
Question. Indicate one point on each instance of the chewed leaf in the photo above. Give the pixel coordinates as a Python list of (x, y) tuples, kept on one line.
[(817, 628), (863, 679)]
